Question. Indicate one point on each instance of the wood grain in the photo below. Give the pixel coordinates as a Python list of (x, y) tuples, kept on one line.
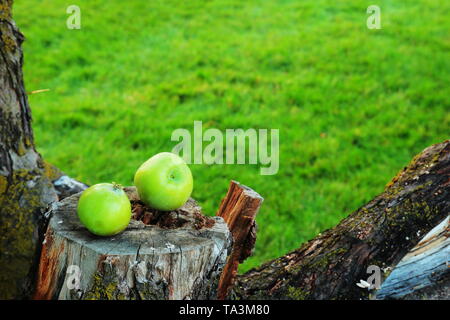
[(238, 209), (427, 264), (143, 262)]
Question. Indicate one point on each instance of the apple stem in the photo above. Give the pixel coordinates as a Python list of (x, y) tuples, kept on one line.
[(117, 186)]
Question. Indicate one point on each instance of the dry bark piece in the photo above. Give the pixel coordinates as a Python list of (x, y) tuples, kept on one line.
[(238, 209), (173, 219), (143, 262)]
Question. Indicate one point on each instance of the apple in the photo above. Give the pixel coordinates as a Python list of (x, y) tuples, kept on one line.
[(164, 182), (104, 209)]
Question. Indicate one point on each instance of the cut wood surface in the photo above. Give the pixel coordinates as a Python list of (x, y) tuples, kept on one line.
[(426, 265), (180, 259), (380, 233), (238, 209)]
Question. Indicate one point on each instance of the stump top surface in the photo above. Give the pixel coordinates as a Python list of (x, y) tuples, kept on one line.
[(138, 237)]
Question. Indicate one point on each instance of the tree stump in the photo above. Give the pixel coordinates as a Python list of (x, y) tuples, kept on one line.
[(161, 255)]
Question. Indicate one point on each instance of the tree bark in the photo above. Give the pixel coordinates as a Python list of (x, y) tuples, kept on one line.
[(380, 233), (180, 257), (25, 180)]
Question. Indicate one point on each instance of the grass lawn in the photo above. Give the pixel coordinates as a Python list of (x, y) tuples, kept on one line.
[(353, 105)]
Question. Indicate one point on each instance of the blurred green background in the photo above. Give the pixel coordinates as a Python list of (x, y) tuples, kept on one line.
[(353, 105)]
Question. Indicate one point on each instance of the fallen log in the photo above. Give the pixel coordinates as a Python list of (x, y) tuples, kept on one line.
[(378, 234), (170, 255)]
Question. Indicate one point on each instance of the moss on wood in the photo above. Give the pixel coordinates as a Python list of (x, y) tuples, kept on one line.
[(21, 203)]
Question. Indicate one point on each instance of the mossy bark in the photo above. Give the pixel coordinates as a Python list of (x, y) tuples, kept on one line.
[(380, 233), (25, 180)]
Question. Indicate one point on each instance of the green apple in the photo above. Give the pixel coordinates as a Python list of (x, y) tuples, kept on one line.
[(164, 182), (104, 209)]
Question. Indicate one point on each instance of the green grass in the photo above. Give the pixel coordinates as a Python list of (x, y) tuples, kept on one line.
[(352, 105)]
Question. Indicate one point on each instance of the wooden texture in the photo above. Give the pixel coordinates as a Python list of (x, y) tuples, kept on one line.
[(238, 209), (66, 186), (25, 182), (426, 265), (380, 233), (143, 262)]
